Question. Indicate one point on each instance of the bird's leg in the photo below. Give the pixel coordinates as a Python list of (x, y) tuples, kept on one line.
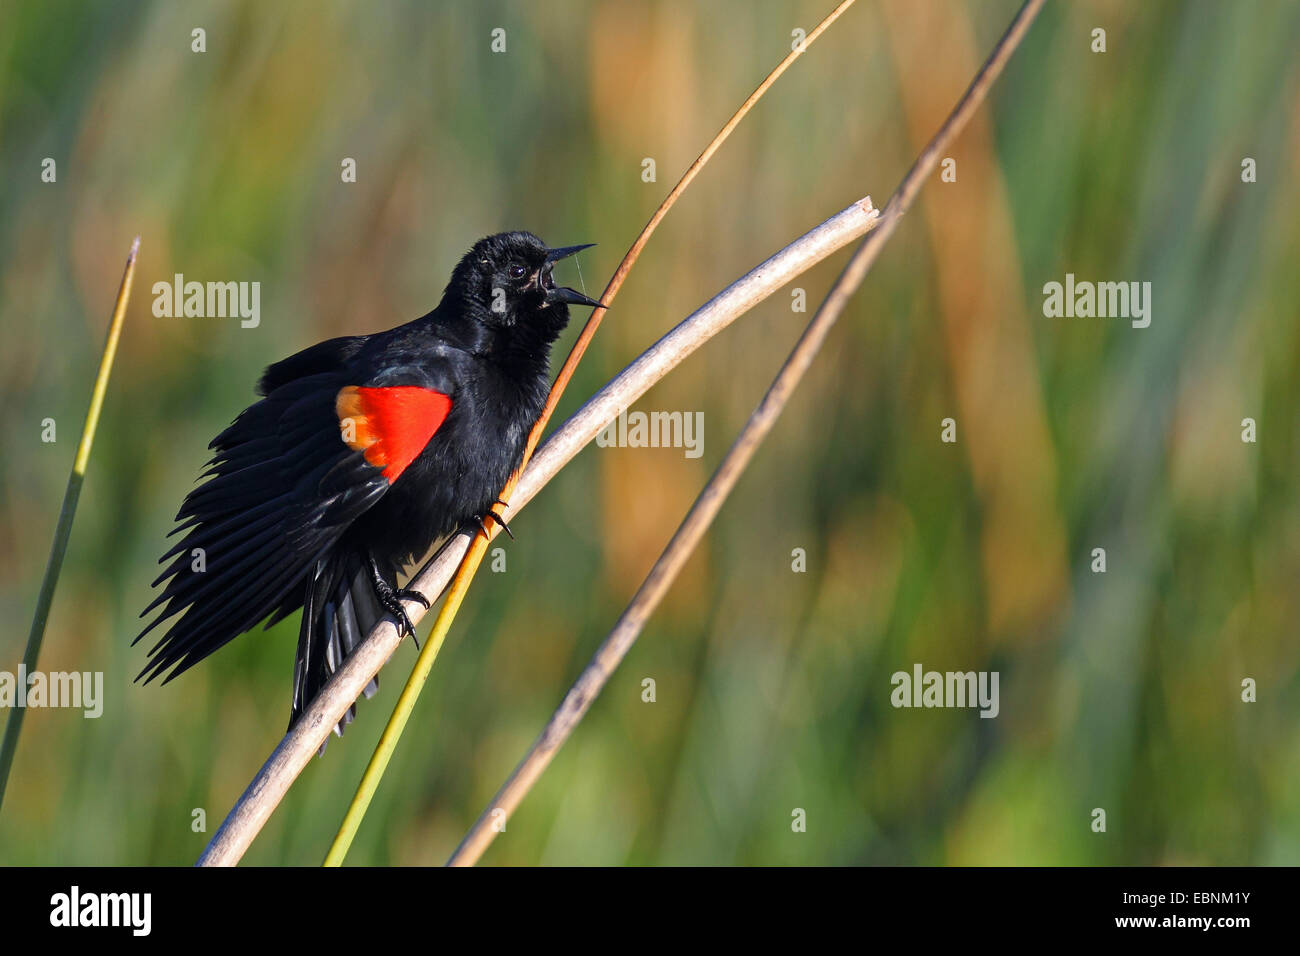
[(391, 599)]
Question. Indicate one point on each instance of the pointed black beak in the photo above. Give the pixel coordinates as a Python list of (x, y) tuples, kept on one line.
[(570, 296), (562, 294), (555, 255)]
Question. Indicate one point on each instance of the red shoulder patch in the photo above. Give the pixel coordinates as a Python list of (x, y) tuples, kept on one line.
[(391, 425)]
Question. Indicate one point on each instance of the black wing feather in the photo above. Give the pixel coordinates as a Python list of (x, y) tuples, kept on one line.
[(282, 489)]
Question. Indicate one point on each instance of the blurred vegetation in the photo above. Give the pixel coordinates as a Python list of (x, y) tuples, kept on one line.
[(1119, 690)]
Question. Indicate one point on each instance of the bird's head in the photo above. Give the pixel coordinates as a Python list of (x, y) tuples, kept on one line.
[(506, 282)]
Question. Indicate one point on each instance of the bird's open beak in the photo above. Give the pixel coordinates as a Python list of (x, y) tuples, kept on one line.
[(561, 293), (570, 296)]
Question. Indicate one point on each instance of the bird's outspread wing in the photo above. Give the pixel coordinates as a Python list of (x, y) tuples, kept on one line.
[(262, 534), (280, 490)]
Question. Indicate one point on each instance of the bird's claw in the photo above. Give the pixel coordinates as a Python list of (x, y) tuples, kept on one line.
[(391, 598), (410, 594), (393, 605), (479, 519)]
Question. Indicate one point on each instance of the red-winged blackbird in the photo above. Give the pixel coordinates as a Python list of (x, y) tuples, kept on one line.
[(364, 452)]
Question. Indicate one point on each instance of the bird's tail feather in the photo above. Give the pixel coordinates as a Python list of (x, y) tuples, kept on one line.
[(339, 609)]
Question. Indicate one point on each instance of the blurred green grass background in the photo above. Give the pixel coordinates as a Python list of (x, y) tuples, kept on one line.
[(1120, 691)]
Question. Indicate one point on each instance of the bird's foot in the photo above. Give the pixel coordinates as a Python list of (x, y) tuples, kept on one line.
[(496, 516), (481, 519), (391, 598)]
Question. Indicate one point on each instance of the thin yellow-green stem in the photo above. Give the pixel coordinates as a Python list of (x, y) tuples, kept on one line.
[(63, 530), (470, 563)]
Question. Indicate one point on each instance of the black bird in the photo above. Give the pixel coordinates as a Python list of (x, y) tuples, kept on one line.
[(364, 451)]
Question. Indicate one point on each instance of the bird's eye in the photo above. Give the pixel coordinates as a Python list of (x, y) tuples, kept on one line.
[(517, 272)]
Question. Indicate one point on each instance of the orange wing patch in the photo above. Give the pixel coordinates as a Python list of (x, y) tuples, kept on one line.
[(391, 425)]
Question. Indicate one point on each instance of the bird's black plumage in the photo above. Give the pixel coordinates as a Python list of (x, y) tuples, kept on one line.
[(363, 452)]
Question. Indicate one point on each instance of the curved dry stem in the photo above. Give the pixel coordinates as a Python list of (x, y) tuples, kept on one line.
[(706, 507), (266, 790)]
